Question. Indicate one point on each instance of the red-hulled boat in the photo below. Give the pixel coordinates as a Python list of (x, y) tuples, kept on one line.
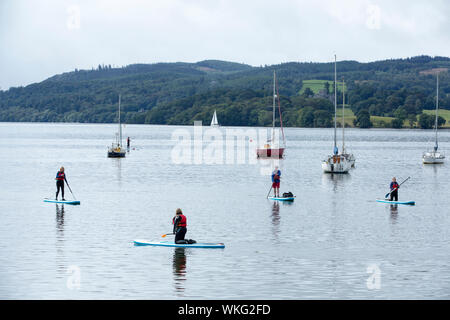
[(271, 149), (268, 152)]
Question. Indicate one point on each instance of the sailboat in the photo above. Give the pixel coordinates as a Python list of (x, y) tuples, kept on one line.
[(434, 157), (116, 150), (349, 156), (335, 163), (272, 148), (214, 122)]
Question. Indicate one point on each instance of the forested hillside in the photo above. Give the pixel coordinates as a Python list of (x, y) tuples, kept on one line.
[(395, 91)]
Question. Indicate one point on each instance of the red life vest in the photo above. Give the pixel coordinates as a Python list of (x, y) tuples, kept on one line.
[(60, 175), (182, 222)]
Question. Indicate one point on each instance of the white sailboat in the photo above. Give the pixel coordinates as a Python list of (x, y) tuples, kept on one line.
[(116, 150), (214, 122), (335, 163), (349, 156), (434, 157)]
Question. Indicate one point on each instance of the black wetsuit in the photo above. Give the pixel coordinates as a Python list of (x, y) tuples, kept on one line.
[(60, 178)]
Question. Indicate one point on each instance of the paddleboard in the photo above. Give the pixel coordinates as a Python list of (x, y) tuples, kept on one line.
[(173, 244), (61, 201), (397, 202), (282, 198)]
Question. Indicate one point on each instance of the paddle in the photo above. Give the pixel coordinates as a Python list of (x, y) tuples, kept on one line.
[(71, 191), (269, 192), (164, 235), (389, 193)]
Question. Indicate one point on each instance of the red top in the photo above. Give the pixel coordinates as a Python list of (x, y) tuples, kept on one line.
[(60, 175), (182, 221)]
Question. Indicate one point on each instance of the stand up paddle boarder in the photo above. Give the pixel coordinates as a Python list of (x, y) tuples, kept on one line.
[(276, 174), (394, 189), (60, 178), (179, 228)]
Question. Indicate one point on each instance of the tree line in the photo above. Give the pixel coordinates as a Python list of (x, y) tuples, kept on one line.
[(180, 93)]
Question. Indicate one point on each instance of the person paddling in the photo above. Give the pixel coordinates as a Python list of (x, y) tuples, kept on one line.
[(179, 226), (394, 189), (60, 178), (276, 174)]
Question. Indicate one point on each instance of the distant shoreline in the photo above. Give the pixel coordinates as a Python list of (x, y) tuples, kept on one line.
[(207, 126)]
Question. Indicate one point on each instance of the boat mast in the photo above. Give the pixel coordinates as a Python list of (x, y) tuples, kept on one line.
[(343, 118), (120, 127), (437, 111), (281, 117), (335, 105), (273, 111)]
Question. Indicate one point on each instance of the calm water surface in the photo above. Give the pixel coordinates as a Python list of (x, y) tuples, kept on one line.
[(321, 246)]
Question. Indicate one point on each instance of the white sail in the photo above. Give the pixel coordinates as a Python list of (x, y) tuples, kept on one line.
[(214, 121)]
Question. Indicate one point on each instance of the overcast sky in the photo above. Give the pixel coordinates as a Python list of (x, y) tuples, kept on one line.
[(40, 38)]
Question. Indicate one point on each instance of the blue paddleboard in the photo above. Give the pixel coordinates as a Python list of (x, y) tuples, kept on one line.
[(282, 198), (173, 244), (61, 201), (397, 202)]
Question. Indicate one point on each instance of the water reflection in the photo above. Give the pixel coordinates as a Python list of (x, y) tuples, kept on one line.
[(335, 180), (60, 265), (118, 164), (60, 220), (179, 268), (394, 213), (276, 219)]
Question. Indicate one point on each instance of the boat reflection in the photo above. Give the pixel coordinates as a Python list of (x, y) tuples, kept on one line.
[(179, 269), (336, 180), (117, 163)]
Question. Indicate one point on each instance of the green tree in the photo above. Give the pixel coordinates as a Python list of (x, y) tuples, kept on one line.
[(426, 121), (327, 87), (322, 119), (307, 117), (400, 113), (397, 123), (412, 118), (363, 119), (308, 93)]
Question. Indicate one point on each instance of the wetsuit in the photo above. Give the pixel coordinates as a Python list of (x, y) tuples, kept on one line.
[(179, 228), (394, 191), (60, 178)]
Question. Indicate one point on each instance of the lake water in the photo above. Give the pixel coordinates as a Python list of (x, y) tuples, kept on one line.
[(333, 242)]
